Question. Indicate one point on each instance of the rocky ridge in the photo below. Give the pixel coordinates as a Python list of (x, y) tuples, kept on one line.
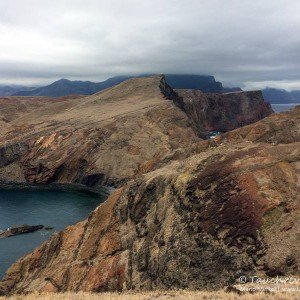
[(111, 136), (223, 112), (197, 215), (105, 138)]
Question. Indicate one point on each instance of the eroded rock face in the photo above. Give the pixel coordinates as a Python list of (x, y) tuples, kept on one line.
[(197, 222), (224, 112), (280, 128), (12, 152), (190, 213)]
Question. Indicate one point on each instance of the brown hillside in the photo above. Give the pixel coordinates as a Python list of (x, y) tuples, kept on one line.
[(189, 213)]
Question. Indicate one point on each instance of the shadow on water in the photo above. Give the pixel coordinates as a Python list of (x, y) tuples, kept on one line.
[(54, 208)]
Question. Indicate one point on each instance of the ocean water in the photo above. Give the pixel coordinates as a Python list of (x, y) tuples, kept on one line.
[(57, 209), (283, 107)]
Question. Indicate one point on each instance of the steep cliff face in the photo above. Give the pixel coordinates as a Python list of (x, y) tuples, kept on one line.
[(195, 222), (223, 112), (280, 128)]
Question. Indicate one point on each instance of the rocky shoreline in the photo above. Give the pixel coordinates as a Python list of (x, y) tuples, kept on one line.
[(67, 187)]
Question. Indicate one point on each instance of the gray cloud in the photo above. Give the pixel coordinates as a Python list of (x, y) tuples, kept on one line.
[(241, 42)]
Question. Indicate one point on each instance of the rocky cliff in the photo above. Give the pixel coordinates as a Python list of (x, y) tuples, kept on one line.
[(188, 213), (223, 112)]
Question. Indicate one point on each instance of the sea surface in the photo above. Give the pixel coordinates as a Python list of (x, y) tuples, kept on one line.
[(283, 107), (57, 209)]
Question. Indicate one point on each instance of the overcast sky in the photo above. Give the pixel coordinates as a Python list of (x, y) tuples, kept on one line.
[(246, 43)]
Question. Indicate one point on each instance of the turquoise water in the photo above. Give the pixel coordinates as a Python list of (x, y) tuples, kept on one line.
[(57, 209), (283, 107)]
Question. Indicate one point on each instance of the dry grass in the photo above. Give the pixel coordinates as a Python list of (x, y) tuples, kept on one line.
[(176, 295)]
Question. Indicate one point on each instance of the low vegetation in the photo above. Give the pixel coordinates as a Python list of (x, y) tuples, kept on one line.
[(181, 295)]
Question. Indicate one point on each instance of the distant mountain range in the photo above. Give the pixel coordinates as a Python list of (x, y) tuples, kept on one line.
[(8, 90), (205, 83), (63, 87), (274, 96)]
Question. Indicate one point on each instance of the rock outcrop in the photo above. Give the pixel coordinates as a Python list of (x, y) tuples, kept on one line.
[(20, 230), (223, 112), (188, 213), (280, 128)]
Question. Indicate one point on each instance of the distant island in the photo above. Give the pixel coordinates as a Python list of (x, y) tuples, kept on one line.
[(278, 96)]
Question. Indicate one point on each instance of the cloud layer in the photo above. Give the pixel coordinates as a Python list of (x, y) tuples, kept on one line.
[(241, 42)]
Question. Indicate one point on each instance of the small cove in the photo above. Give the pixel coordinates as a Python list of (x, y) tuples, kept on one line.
[(54, 208)]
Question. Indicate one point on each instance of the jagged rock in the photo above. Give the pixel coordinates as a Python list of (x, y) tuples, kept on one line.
[(223, 112), (48, 228), (22, 229), (12, 152)]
